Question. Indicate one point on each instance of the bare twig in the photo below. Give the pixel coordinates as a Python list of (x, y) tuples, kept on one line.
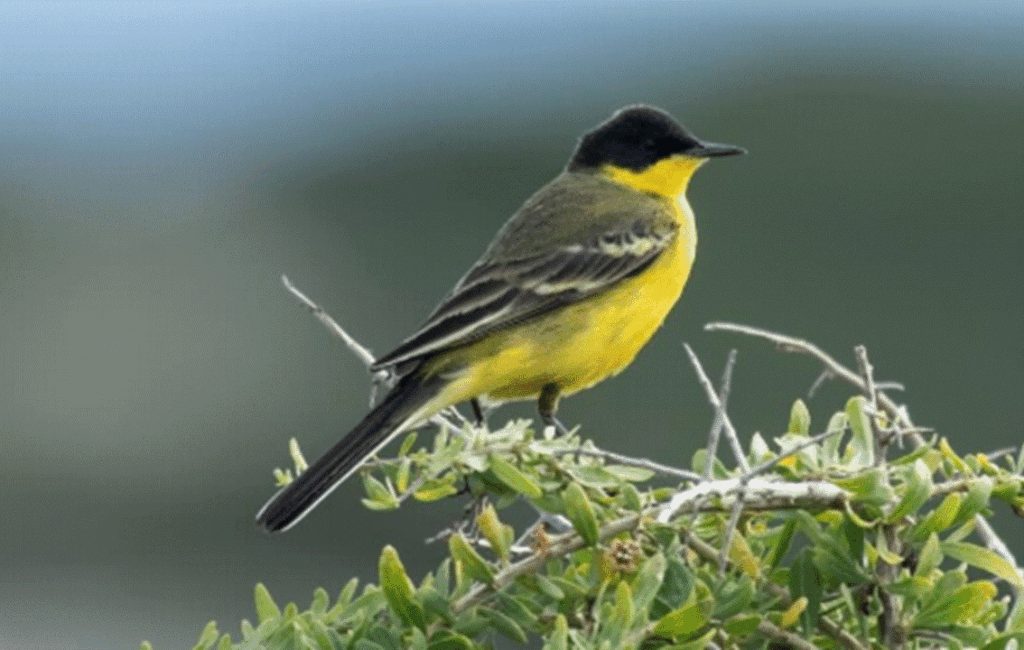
[(716, 427), (730, 529), (381, 377), (792, 344), (361, 353), (558, 546), (644, 463), (791, 639), (867, 371), (825, 375), (810, 442), (901, 418), (730, 430), (757, 494)]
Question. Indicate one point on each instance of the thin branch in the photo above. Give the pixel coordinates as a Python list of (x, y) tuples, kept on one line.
[(730, 430), (825, 375), (897, 412), (361, 353), (716, 427), (867, 371), (730, 530), (810, 442), (791, 639), (763, 495), (558, 546), (757, 494), (644, 463), (792, 344)]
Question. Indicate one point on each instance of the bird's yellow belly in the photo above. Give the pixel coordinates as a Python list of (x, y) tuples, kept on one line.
[(577, 346)]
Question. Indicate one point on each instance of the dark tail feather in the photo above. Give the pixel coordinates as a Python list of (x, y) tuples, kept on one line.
[(300, 496)]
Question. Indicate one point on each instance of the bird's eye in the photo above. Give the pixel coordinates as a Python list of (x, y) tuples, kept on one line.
[(649, 145)]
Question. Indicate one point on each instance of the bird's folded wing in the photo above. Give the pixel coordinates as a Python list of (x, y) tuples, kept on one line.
[(500, 293)]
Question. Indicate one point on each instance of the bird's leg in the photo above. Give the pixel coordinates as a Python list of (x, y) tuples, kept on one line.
[(547, 406), (478, 413)]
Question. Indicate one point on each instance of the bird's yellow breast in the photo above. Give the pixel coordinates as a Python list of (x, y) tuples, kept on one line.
[(579, 345)]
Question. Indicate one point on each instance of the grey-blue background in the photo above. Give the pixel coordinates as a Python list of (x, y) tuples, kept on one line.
[(162, 164)]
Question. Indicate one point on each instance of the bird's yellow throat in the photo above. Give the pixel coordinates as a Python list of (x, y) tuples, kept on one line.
[(668, 177)]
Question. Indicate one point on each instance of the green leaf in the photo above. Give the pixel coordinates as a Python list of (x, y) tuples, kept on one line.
[(929, 558), (631, 497), (398, 590), (861, 447), (733, 597), (1002, 643), (964, 604), (436, 489), (266, 608), (799, 418), (516, 610), (497, 533), (548, 588), (472, 562), (402, 477), (676, 587), (505, 625), (624, 610), (837, 564), (559, 637), (379, 496), (407, 444), (435, 605), (830, 445), (581, 513), (700, 643), (853, 535), (321, 601), (630, 473), (647, 581), (685, 620), (984, 559), (805, 581), (869, 486), (1015, 621), (594, 476), (940, 518), (297, 458), (780, 546), (511, 476), (740, 626), (979, 491), (448, 640), (207, 638), (917, 488)]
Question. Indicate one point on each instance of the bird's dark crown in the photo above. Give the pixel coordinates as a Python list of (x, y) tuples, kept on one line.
[(635, 138)]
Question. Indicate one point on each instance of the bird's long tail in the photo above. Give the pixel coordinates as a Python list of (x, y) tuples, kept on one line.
[(406, 403)]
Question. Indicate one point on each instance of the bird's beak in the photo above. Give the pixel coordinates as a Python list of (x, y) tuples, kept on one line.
[(714, 150)]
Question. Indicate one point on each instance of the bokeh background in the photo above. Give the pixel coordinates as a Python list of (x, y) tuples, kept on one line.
[(162, 164)]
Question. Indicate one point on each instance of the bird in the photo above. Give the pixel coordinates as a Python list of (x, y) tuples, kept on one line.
[(571, 288)]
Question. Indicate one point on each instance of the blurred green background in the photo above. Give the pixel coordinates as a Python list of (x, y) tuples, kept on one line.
[(162, 164)]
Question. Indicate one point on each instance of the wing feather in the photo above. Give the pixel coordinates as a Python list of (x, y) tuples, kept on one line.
[(499, 293)]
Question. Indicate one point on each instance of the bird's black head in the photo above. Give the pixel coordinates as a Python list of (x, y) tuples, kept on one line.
[(636, 137)]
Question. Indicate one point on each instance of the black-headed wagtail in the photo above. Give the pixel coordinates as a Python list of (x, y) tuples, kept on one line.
[(571, 288)]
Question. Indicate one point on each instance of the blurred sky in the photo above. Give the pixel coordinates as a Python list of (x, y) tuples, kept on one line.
[(161, 164)]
